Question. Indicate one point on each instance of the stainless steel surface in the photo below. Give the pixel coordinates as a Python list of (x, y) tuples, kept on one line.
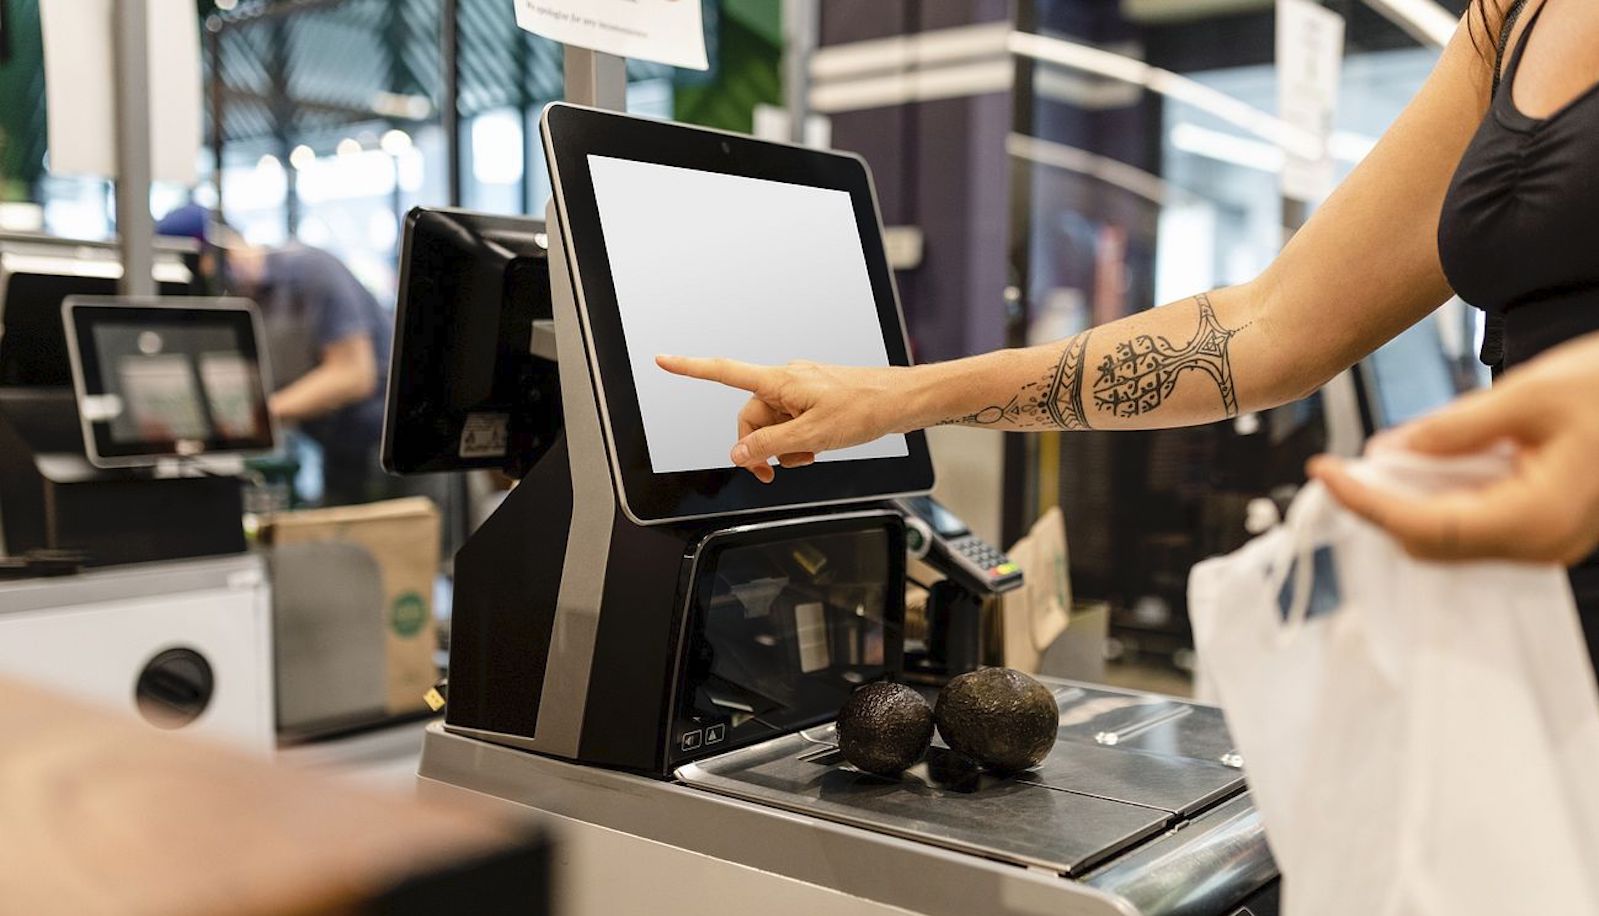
[(1141, 721), (122, 583), (383, 758), (1114, 779), (1128, 766), (130, 30), (1200, 869), (595, 79), (873, 866), (943, 801), (1177, 785)]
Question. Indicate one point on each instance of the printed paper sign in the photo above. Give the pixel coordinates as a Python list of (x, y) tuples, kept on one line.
[(665, 31), (79, 75), (1310, 51)]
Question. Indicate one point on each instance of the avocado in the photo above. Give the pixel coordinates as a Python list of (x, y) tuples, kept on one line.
[(884, 728), (999, 717)]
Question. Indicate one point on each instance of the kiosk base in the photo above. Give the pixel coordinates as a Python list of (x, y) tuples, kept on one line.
[(51, 498)]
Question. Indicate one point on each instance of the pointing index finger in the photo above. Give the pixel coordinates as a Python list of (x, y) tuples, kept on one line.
[(729, 372)]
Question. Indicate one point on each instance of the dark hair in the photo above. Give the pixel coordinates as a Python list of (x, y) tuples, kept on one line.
[(1488, 41)]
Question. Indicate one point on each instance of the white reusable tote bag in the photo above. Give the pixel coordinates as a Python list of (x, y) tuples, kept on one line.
[(1419, 738)]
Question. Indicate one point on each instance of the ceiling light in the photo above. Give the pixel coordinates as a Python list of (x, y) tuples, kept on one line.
[(396, 142)]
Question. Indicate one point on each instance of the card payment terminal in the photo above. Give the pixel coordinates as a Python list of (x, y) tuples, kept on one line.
[(944, 542)]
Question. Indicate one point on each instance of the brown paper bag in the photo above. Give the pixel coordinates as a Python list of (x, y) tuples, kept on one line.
[(1038, 612), (402, 538)]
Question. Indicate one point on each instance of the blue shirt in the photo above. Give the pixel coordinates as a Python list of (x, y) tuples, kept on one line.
[(309, 301)]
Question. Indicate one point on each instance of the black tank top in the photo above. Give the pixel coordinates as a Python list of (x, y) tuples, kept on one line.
[(1519, 233), (1519, 238)]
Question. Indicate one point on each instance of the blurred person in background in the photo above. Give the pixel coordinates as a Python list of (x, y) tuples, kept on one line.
[(328, 340)]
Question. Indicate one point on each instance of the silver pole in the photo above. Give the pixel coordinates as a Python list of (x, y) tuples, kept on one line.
[(596, 79), (801, 34), (135, 229)]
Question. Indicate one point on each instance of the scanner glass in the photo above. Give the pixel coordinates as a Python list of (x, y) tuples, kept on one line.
[(783, 627)]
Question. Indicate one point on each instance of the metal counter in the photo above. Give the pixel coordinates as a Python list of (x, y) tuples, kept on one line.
[(1095, 795), (1134, 812)]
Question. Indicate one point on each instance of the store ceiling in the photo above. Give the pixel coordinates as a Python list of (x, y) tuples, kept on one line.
[(307, 72)]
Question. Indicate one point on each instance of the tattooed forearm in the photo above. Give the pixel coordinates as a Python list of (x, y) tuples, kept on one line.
[(990, 415), (1055, 400), (1133, 378), (1063, 399), (1138, 375)]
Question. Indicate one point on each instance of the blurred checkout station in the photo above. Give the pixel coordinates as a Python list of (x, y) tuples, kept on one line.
[(353, 558)]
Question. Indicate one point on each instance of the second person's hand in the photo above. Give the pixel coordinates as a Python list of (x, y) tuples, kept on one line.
[(802, 408), (1547, 511)]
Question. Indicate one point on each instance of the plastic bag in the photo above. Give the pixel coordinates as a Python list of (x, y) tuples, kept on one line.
[(1419, 738)]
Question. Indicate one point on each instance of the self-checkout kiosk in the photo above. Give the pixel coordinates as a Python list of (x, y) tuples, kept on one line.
[(122, 421), (652, 645), (77, 490)]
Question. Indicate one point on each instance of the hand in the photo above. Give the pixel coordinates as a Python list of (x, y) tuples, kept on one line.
[(1547, 511), (797, 410)]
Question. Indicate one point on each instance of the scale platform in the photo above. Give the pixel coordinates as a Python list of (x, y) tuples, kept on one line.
[(1125, 768)]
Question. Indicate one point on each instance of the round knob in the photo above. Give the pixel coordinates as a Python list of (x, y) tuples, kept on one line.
[(174, 688)]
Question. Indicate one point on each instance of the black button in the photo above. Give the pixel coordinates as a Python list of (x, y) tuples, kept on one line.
[(174, 688)]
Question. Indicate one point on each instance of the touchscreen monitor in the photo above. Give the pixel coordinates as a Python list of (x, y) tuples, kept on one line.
[(700, 243), (167, 378), (696, 275), (1407, 377)]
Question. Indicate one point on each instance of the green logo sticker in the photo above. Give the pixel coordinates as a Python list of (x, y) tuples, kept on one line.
[(408, 614)]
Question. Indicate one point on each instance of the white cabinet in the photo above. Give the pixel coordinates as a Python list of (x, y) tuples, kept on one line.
[(181, 645)]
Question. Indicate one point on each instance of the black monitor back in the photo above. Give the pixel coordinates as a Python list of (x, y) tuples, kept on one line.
[(33, 341), (466, 389)]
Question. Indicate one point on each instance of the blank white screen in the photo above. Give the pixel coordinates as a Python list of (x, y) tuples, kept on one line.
[(707, 264)]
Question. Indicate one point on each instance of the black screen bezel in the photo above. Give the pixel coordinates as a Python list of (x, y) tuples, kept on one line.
[(81, 317), (571, 134)]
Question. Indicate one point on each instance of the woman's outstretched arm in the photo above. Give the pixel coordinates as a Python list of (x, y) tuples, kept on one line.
[(1362, 269)]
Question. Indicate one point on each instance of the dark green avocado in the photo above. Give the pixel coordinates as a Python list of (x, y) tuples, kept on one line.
[(884, 728), (999, 717)]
